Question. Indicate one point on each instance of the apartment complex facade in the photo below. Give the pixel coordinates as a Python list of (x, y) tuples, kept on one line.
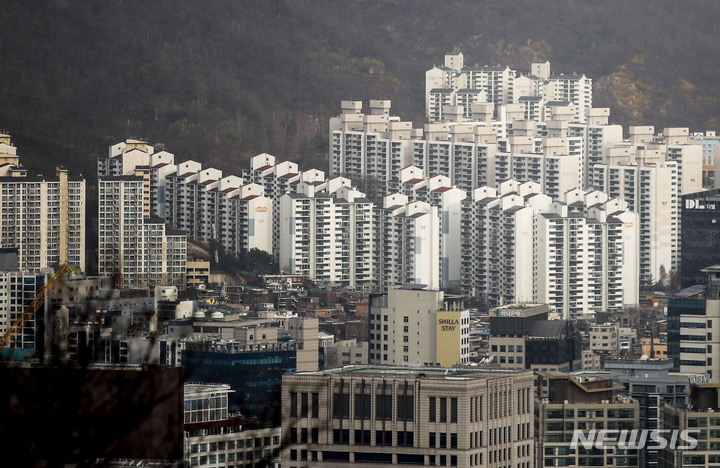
[(137, 252), (327, 236), (454, 83), (397, 416), (579, 256), (43, 217)]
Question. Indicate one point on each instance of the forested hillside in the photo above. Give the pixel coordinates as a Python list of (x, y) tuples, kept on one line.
[(221, 80)]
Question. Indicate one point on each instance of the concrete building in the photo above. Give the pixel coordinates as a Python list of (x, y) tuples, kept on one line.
[(397, 416), (214, 437), (521, 247), (653, 385), (327, 236), (17, 289), (605, 339), (407, 245), (347, 353), (580, 402), (694, 327), (136, 251), (44, 218), (417, 326), (700, 418), (253, 372), (522, 337)]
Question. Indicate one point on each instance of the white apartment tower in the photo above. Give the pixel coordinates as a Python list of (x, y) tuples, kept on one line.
[(136, 251), (408, 244), (579, 256), (327, 235), (653, 192)]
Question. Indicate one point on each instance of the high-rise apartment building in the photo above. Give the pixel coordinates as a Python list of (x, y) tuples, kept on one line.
[(134, 250), (652, 191), (455, 83), (579, 256), (327, 235), (44, 218), (416, 326), (367, 416), (408, 243)]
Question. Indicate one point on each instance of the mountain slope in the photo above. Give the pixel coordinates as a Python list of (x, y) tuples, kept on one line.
[(221, 80)]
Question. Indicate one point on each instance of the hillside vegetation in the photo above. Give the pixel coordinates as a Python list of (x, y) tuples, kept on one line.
[(221, 80)]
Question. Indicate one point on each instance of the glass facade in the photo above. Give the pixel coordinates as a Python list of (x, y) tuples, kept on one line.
[(255, 377), (700, 244)]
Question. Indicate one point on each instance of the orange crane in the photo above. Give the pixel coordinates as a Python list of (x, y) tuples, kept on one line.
[(33, 307)]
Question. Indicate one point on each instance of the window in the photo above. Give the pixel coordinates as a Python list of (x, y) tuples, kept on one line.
[(341, 436), (362, 437), (405, 438), (383, 407), (453, 410), (304, 405), (315, 404), (405, 405), (443, 409), (432, 440), (383, 438), (341, 406), (433, 409), (362, 406)]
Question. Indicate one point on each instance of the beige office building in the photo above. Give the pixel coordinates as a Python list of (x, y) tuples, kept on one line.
[(367, 416)]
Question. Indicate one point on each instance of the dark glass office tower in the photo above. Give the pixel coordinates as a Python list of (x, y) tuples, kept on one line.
[(700, 235)]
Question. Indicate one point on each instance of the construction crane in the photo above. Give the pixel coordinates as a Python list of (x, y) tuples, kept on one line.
[(33, 307)]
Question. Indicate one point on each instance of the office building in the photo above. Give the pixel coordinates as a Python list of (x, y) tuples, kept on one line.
[(398, 416), (694, 327), (215, 437), (700, 417), (253, 371), (653, 385), (700, 235), (416, 326), (522, 337), (582, 402)]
